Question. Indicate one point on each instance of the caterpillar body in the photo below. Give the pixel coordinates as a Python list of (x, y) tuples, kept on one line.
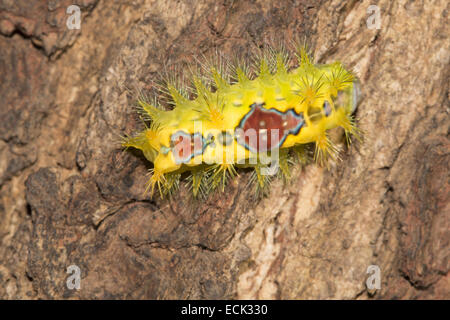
[(245, 118)]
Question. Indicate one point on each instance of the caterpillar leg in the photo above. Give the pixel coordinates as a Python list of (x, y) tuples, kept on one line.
[(350, 128), (220, 175), (260, 178), (171, 183), (157, 179), (165, 183), (302, 153), (260, 181), (198, 181), (284, 164), (325, 149), (165, 176)]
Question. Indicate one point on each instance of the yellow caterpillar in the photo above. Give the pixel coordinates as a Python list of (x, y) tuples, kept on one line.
[(245, 118)]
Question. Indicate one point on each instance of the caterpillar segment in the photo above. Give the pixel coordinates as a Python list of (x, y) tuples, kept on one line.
[(240, 117)]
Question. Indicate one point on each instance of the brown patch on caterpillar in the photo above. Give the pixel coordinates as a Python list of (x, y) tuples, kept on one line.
[(259, 124)]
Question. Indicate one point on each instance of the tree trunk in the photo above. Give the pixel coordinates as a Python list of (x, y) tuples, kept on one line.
[(71, 196)]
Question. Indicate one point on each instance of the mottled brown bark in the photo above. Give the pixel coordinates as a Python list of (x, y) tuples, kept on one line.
[(69, 195)]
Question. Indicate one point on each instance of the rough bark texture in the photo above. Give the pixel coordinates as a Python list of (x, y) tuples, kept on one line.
[(69, 195)]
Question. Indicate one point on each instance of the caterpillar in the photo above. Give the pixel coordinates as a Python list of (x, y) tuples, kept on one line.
[(241, 116)]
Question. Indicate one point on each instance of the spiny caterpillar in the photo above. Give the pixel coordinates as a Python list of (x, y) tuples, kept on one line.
[(237, 116)]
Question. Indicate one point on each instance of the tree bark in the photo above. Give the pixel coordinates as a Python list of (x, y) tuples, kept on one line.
[(71, 196)]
